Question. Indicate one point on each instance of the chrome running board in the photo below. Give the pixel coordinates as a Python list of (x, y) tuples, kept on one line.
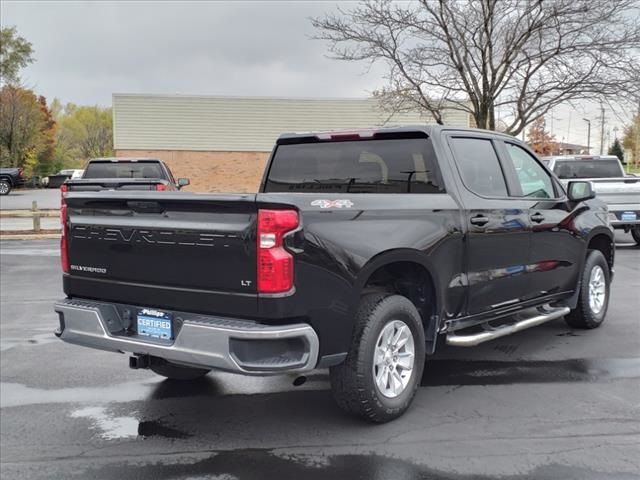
[(523, 320)]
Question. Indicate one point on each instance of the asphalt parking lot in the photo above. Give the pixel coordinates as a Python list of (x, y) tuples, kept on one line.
[(550, 402), (21, 199)]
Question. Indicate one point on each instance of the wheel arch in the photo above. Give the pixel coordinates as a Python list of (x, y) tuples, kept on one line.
[(7, 178), (602, 239), (409, 273)]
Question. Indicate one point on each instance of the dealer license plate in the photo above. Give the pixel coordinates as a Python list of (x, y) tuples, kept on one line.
[(155, 323), (628, 216)]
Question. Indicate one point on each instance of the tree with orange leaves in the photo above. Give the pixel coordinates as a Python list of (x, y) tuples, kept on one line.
[(541, 141)]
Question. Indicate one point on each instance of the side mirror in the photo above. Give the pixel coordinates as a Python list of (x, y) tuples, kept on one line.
[(579, 191), (183, 182)]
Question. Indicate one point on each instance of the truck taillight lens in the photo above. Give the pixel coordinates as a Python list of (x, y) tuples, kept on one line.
[(64, 239), (161, 187), (275, 264), (64, 188)]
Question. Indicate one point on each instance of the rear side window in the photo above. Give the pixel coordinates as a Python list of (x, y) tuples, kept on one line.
[(587, 169), (364, 166), (124, 170), (479, 166)]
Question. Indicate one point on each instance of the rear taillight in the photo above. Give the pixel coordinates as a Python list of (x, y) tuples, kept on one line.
[(64, 188), (64, 239), (275, 264), (161, 187)]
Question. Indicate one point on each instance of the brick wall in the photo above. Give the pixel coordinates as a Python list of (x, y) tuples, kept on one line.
[(211, 171)]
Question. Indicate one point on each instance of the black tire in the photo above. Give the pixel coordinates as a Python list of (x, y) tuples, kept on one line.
[(174, 371), (353, 383), (5, 187), (635, 233), (584, 316)]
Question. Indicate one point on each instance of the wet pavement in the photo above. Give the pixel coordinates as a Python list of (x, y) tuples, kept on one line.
[(547, 403)]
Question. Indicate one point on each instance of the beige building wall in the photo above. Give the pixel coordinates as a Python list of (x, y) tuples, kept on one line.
[(244, 124), (222, 143)]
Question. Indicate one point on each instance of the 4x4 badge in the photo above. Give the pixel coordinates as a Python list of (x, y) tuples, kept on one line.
[(344, 203)]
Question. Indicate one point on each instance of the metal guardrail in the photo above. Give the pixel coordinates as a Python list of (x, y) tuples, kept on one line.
[(35, 213)]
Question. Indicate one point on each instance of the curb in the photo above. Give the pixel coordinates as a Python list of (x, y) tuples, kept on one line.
[(33, 236), (24, 213)]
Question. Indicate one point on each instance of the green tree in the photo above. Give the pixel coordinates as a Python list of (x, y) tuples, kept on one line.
[(46, 155), (83, 133), (616, 149), (631, 138), (15, 54)]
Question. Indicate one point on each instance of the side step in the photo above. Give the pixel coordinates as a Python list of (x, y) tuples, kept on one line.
[(524, 320)]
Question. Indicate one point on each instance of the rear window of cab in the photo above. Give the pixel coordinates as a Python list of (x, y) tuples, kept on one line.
[(361, 166)]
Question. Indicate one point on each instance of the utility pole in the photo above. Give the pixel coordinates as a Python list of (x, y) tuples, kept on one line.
[(588, 134), (601, 129)]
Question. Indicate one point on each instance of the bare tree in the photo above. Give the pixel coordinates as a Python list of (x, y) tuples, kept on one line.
[(523, 57)]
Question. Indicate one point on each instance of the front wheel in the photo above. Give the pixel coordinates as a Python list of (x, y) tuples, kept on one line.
[(593, 299), (384, 365), (635, 233), (175, 371), (5, 187)]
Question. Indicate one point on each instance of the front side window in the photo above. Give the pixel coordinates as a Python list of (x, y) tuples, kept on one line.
[(364, 166), (479, 166), (534, 180)]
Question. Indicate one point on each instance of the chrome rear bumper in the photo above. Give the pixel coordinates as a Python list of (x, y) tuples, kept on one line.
[(616, 211), (241, 346)]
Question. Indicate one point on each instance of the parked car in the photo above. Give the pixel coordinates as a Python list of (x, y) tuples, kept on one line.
[(359, 252), (10, 178), (125, 174), (55, 181), (619, 191)]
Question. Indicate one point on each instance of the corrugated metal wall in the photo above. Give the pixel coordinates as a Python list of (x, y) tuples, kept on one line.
[(207, 123)]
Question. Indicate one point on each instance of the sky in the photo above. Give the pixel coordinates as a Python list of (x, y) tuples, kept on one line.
[(86, 51)]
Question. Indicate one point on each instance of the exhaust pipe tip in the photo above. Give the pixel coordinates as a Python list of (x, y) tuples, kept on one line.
[(301, 380)]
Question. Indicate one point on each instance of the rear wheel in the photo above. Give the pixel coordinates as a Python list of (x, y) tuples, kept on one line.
[(5, 187), (594, 293), (635, 233), (175, 371), (383, 368)]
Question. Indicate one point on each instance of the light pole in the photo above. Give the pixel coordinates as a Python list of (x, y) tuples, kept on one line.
[(588, 134)]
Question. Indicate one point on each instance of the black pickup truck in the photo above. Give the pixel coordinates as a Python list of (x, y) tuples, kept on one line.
[(360, 251), (10, 178), (125, 173)]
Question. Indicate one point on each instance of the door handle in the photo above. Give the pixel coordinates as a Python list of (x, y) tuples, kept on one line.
[(479, 220), (537, 217)]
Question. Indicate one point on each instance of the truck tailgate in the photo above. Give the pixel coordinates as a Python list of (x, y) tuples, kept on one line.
[(618, 191), (173, 247)]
